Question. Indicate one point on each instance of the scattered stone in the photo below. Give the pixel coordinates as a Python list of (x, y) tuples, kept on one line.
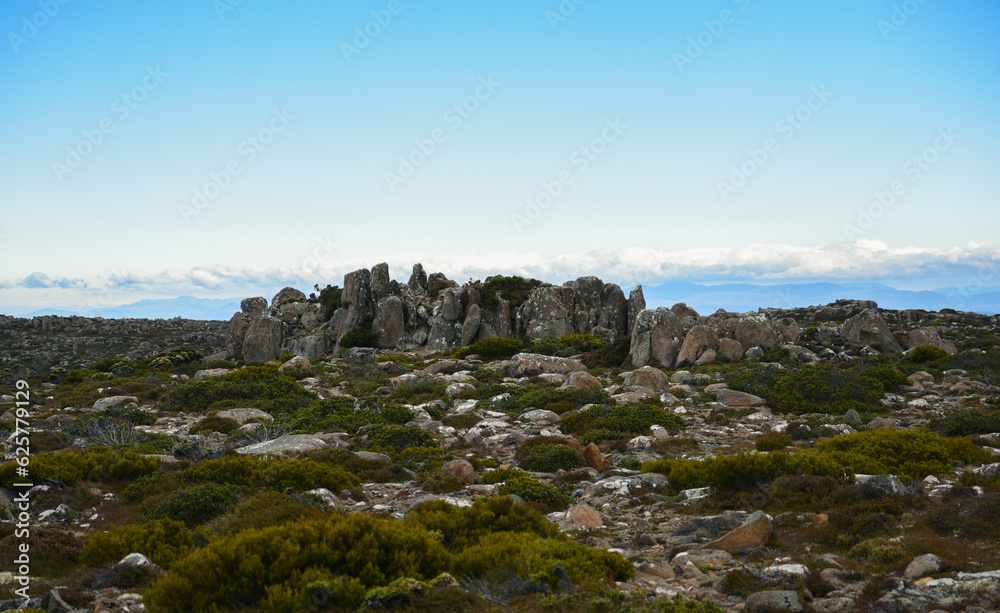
[(924, 565), (754, 532), (773, 601), (594, 459)]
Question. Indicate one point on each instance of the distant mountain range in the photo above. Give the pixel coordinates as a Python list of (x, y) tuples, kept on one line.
[(741, 297), (186, 307), (733, 297)]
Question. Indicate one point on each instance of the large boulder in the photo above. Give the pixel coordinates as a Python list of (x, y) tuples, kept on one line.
[(356, 300), (930, 336), (532, 364), (543, 315), (647, 376), (263, 340), (699, 339), (731, 348), (380, 283), (288, 294), (867, 328), (388, 324), (753, 532), (289, 443), (251, 309), (470, 327), (418, 279), (756, 330), (656, 338), (774, 601), (313, 346), (636, 304)]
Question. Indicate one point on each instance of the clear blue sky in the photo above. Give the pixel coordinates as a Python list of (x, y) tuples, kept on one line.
[(616, 106)]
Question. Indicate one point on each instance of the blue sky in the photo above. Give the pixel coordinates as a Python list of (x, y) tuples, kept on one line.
[(195, 147)]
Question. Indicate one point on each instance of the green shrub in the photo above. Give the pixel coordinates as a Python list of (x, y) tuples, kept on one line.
[(254, 472), (417, 392), (396, 414), (94, 464), (551, 399), (542, 454), (399, 437), (266, 510), (610, 422), (163, 541), (335, 414), (461, 422), (253, 565), (965, 422), (260, 387), (567, 345), (514, 290), (494, 348), (926, 353), (500, 553), (198, 503), (742, 471), (611, 355), (214, 424), (461, 527), (499, 475), (361, 335), (54, 551), (773, 441), (879, 550), (821, 388), (533, 490), (905, 453)]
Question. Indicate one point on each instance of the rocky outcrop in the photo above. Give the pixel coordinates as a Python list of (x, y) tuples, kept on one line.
[(868, 329), (656, 338), (930, 336)]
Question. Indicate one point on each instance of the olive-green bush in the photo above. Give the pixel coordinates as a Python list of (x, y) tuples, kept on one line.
[(397, 438), (335, 414), (197, 504), (461, 527), (611, 422), (549, 398), (361, 335), (742, 471), (965, 422), (253, 472), (926, 353), (541, 454), (94, 464), (494, 348), (610, 355), (163, 541), (904, 453), (533, 490), (261, 387), (820, 388)]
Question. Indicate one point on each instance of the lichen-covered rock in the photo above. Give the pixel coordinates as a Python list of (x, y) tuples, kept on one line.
[(656, 338), (263, 340), (288, 294), (869, 329), (647, 376), (699, 339), (930, 336), (388, 324), (756, 330), (753, 532)]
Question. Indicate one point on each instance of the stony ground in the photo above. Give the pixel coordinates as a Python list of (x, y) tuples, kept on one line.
[(793, 540)]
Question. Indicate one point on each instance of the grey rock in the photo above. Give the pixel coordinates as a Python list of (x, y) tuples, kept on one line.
[(388, 324), (289, 443), (114, 402), (773, 601), (285, 295), (263, 340), (869, 329), (656, 338)]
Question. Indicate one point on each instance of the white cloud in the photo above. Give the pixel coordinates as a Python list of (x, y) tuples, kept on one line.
[(863, 260)]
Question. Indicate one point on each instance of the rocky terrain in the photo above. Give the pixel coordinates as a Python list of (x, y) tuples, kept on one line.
[(513, 445)]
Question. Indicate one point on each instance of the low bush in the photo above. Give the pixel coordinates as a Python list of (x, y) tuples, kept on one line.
[(495, 348), (335, 414), (905, 453), (266, 510), (461, 527), (926, 353), (966, 422), (260, 387), (544, 455), (197, 504), (254, 565), (551, 399), (821, 388), (163, 541), (515, 290), (214, 424), (54, 551), (360, 335), (254, 472), (397, 438), (610, 422), (610, 355), (94, 464), (396, 414), (533, 490), (742, 471), (773, 441)]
